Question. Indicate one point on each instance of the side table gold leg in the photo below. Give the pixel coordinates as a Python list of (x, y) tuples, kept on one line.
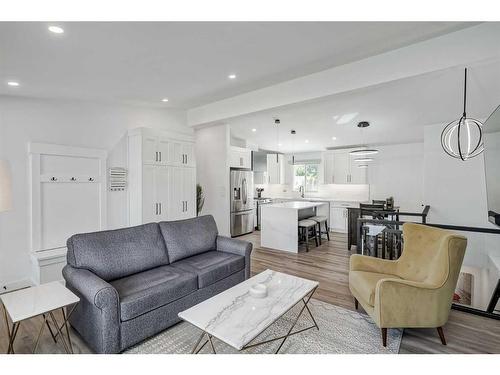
[(67, 330), (42, 327), (66, 348)]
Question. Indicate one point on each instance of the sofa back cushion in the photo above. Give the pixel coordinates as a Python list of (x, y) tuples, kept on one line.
[(113, 254), (185, 238)]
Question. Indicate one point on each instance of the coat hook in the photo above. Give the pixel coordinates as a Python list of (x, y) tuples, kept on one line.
[(73, 179), (53, 179), (91, 179)]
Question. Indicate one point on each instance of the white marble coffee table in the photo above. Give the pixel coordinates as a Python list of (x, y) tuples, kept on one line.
[(38, 300), (237, 318)]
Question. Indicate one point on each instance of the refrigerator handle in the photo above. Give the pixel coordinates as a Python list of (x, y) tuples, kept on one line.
[(244, 190)]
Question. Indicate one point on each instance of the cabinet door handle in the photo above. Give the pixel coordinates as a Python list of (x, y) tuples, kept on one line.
[(160, 204), (160, 155), (186, 206), (156, 208), (186, 163)]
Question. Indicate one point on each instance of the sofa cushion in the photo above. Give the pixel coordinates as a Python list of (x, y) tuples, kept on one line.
[(365, 282), (211, 266), (148, 290), (185, 238), (113, 254)]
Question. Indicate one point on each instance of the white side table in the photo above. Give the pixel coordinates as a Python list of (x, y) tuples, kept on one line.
[(39, 300)]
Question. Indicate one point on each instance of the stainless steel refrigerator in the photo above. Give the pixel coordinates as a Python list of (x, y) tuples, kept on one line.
[(242, 210)]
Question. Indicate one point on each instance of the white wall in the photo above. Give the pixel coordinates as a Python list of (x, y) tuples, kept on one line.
[(398, 171), (212, 162), (75, 123)]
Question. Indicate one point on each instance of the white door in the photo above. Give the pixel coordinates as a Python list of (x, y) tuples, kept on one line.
[(163, 150), (162, 183), (338, 219), (149, 202), (149, 149), (189, 192), (340, 168), (175, 205)]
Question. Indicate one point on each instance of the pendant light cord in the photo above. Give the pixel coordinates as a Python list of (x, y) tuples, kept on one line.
[(465, 92)]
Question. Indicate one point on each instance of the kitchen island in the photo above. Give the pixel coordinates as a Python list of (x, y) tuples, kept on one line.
[(279, 223)]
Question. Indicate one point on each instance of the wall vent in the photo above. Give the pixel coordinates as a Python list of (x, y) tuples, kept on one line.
[(117, 179)]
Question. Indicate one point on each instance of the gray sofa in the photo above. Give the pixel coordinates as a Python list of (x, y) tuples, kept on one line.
[(133, 282)]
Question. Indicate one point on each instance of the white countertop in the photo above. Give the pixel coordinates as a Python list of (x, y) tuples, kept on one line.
[(295, 205), (236, 318)]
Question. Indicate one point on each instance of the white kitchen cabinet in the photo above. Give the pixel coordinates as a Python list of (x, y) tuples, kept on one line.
[(338, 219), (340, 168), (162, 176), (275, 169), (240, 157)]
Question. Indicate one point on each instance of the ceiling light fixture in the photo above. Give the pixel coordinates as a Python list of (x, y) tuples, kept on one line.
[(360, 160), (365, 151), (463, 138), (164, 100), (363, 166), (231, 76), (307, 141), (334, 138), (56, 29), (254, 130), (13, 83)]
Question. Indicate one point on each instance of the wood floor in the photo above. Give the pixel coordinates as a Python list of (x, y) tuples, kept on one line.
[(328, 264)]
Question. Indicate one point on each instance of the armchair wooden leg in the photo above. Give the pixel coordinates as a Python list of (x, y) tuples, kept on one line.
[(384, 336), (356, 304), (441, 335)]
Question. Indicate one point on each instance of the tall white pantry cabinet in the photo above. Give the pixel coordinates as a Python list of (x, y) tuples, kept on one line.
[(162, 176)]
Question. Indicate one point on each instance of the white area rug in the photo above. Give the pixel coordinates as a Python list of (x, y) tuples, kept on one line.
[(340, 331)]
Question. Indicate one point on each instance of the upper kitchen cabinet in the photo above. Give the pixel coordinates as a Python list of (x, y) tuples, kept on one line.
[(166, 149), (340, 168), (276, 169), (240, 157)]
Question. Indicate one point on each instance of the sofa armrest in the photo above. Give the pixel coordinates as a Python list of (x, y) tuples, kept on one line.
[(365, 263), (405, 303), (238, 247), (97, 315)]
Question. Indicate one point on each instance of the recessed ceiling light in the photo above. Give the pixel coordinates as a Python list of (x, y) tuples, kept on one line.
[(56, 29), (164, 100), (231, 76), (334, 138), (363, 152), (280, 144), (254, 130), (13, 83), (307, 141), (363, 166)]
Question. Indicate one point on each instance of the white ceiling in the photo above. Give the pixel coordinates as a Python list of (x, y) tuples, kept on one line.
[(141, 63), (397, 112)]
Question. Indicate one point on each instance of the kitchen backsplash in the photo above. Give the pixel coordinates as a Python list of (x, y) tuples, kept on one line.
[(358, 193)]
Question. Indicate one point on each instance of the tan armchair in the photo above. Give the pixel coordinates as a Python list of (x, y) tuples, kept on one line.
[(416, 290)]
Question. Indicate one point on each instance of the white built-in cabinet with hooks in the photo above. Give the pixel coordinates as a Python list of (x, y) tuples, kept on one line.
[(162, 176), (68, 196)]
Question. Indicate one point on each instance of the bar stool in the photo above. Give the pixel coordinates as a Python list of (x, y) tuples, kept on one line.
[(320, 220), (306, 225)]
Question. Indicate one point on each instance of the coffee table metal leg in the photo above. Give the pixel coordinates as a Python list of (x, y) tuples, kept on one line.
[(198, 342), (311, 315), (50, 329), (211, 343), (297, 319)]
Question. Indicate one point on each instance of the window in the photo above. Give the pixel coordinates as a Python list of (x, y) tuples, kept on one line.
[(305, 175)]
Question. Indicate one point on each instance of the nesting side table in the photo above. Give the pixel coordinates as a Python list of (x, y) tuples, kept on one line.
[(39, 300)]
